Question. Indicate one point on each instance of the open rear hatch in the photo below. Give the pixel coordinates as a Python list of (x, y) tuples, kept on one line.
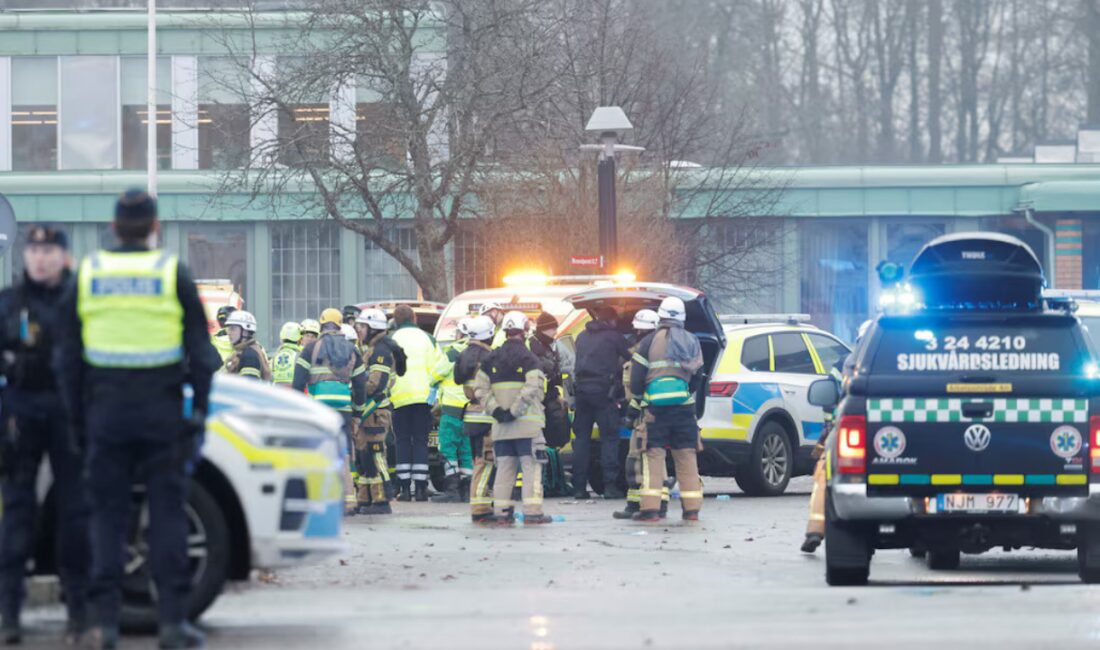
[(978, 403)]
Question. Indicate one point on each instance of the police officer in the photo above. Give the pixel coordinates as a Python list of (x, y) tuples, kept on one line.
[(286, 357), (125, 398), (311, 331), (665, 370), (351, 314), (645, 321), (331, 369), (248, 358), (34, 427), (511, 386), (601, 352), (220, 338), (412, 414), (454, 446), (476, 423), (383, 358)]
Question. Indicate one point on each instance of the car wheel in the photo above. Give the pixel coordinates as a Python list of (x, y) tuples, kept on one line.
[(847, 550), (943, 559), (208, 552), (770, 463)]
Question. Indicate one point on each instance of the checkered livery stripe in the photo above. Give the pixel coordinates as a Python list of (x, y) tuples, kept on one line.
[(950, 410)]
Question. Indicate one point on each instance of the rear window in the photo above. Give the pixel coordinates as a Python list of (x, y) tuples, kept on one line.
[(1041, 345)]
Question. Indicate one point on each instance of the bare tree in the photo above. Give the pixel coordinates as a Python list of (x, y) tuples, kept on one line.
[(1091, 26)]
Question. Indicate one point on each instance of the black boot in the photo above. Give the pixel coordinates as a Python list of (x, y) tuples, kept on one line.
[(406, 494), (450, 492), (664, 509), (647, 515), (464, 489), (537, 519), (377, 508), (483, 518), (421, 490), (628, 511), (812, 541), (181, 635)]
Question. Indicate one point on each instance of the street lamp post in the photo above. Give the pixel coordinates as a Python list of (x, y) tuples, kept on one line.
[(610, 122)]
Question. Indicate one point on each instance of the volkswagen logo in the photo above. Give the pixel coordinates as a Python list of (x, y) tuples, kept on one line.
[(977, 437)]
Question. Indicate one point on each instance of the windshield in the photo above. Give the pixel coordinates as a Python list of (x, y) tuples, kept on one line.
[(531, 302)]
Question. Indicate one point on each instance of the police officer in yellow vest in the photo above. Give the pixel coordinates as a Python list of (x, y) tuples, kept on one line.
[(665, 370), (412, 413), (286, 357), (125, 397)]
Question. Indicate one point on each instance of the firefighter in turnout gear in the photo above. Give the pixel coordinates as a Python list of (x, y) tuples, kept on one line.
[(332, 371), (248, 358), (511, 385), (454, 446), (383, 358), (645, 321), (476, 423), (286, 357), (665, 371)]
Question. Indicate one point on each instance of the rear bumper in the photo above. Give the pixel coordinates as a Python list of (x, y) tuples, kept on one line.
[(851, 503)]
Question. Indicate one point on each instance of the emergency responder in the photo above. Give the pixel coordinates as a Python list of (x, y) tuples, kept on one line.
[(220, 338), (476, 423), (645, 322), (332, 371), (383, 358), (125, 398), (412, 414), (512, 386), (601, 352), (311, 331), (454, 446), (664, 370), (495, 312), (34, 427), (543, 345), (248, 358), (286, 357), (351, 313)]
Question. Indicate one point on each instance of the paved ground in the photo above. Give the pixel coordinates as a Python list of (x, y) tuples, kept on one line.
[(426, 578)]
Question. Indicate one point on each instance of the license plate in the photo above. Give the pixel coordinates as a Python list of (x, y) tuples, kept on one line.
[(979, 503)]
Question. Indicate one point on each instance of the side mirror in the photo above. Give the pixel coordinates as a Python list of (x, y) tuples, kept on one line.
[(824, 393)]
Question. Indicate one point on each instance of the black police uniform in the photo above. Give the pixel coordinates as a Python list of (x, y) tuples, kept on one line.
[(136, 433), (35, 427), (601, 352)]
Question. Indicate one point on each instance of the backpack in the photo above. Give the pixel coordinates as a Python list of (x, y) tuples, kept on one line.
[(554, 481)]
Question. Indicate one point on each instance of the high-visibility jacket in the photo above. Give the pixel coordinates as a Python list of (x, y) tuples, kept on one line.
[(222, 344), (452, 396), (282, 364), (421, 354), (130, 292)]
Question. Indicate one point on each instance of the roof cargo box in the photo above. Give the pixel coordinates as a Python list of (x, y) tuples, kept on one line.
[(978, 271)]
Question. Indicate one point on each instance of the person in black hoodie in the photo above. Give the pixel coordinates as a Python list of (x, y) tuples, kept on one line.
[(34, 427), (601, 352)]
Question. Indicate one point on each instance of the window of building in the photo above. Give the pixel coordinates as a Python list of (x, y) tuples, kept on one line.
[(224, 124), (34, 113), (135, 112), (831, 352), (791, 354), (305, 269), (385, 277), (473, 267), (379, 137), (89, 112), (304, 128), (904, 240), (755, 355), (216, 252), (835, 274)]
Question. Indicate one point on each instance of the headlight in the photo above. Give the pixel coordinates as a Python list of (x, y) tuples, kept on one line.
[(278, 431)]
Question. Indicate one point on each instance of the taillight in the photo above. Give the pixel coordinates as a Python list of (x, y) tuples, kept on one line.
[(722, 388), (1094, 442), (852, 444)]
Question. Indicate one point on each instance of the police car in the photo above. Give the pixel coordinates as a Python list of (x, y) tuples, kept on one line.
[(267, 493), (970, 422)]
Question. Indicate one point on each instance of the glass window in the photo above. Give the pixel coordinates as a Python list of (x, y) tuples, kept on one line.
[(831, 351), (89, 112), (791, 354), (755, 355), (304, 131), (904, 240), (834, 274), (224, 124), (34, 113), (135, 122), (379, 137), (471, 263), (218, 253), (305, 269), (385, 277)]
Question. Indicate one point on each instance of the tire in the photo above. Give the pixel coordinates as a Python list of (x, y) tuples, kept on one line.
[(1088, 554), (847, 551), (208, 554), (943, 559), (771, 462)]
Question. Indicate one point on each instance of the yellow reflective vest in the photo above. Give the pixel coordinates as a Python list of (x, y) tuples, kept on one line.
[(421, 353), (282, 364), (452, 396), (130, 292)]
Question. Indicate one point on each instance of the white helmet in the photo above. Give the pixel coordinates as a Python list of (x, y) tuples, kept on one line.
[(646, 319), (242, 319), (373, 318), (514, 320), (672, 308), (489, 306), (480, 328), (349, 332), (464, 326)]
